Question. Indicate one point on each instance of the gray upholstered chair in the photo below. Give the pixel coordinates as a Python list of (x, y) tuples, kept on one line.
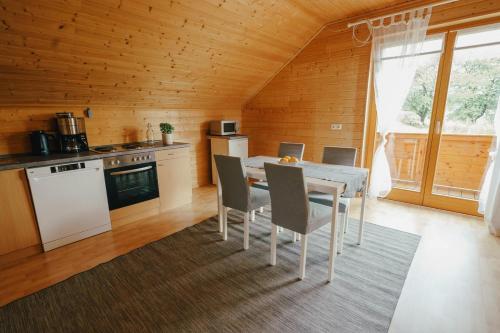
[(237, 194), (291, 149), (291, 207), (339, 156), (285, 149)]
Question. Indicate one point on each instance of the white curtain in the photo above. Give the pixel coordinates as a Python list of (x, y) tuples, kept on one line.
[(394, 47), (489, 197)]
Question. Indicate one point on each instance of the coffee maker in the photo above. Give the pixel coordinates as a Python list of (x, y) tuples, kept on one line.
[(72, 135)]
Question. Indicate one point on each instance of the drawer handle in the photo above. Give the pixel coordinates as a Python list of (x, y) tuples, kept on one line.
[(126, 172)]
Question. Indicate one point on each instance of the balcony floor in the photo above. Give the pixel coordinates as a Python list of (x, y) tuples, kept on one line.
[(450, 191)]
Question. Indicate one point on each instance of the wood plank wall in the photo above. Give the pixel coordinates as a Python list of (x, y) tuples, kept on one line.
[(136, 61), (327, 83), (116, 124)]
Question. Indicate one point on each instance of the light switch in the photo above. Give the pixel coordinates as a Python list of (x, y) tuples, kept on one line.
[(336, 127)]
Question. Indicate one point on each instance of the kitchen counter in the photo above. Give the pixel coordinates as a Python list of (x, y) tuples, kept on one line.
[(17, 161)]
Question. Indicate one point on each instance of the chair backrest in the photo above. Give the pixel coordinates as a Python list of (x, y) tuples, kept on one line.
[(340, 155), (291, 149), (289, 199), (235, 192)]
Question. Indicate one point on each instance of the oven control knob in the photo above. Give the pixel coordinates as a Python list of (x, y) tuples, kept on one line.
[(149, 157), (118, 162), (112, 162), (143, 158), (134, 159)]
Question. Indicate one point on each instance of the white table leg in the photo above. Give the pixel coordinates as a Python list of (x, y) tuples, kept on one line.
[(252, 215), (346, 218), (246, 231), (219, 203), (303, 256), (362, 213), (341, 233), (333, 234), (224, 222), (274, 239)]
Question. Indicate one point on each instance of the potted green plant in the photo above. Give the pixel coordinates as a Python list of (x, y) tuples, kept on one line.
[(167, 133)]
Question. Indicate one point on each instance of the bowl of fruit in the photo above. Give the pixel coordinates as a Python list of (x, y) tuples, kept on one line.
[(289, 160)]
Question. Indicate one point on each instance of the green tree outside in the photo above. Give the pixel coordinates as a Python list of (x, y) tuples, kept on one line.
[(473, 92)]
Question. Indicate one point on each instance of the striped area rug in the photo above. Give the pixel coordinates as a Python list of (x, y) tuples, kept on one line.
[(193, 281)]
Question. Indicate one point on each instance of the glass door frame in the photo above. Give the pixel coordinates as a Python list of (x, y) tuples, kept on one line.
[(425, 196), (429, 199)]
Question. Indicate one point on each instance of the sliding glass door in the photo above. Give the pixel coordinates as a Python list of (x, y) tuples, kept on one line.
[(439, 148), (407, 142), (464, 132)]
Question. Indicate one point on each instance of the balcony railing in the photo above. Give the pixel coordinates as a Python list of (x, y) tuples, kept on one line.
[(461, 162)]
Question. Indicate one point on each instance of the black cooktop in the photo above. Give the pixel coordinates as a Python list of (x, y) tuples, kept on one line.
[(105, 149)]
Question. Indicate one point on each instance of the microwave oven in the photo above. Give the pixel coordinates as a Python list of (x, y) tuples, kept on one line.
[(223, 127)]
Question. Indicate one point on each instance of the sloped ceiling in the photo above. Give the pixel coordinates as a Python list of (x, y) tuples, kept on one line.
[(192, 53)]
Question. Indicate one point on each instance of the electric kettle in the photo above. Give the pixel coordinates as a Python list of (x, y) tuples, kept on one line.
[(39, 143)]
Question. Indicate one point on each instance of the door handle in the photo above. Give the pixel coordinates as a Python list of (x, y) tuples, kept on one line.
[(437, 130), (126, 172)]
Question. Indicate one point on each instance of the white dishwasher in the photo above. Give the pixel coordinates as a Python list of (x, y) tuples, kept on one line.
[(70, 202)]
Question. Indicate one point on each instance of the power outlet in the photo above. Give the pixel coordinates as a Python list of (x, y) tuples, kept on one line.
[(336, 127)]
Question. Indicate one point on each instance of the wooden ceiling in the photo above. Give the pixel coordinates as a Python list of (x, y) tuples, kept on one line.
[(182, 54)]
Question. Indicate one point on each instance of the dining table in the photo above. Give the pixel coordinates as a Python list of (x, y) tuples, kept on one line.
[(338, 180)]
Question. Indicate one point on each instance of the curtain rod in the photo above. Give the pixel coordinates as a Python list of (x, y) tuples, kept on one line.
[(439, 3)]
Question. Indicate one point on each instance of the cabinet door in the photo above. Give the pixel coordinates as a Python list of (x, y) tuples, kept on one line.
[(238, 148), (174, 181), (18, 227)]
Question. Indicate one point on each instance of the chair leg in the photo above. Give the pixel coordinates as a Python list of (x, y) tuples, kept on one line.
[(294, 236), (252, 215), (303, 255), (261, 210), (224, 222), (246, 231), (342, 232), (274, 239), (346, 219)]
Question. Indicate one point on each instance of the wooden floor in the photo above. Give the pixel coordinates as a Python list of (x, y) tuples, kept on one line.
[(453, 284), (454, 281)]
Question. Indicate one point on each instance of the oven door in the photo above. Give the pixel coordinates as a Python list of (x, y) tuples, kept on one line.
[(131, 184)]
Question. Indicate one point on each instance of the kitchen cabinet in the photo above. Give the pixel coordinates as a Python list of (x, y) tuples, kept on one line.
[(174, 177), (18, 226), (227, 145)]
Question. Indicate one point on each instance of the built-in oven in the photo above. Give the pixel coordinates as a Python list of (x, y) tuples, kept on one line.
[(130, 179)]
